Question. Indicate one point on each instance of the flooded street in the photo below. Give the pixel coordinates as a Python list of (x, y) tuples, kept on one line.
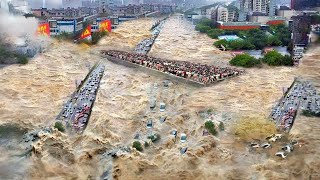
[(179, 41), (32, 96)]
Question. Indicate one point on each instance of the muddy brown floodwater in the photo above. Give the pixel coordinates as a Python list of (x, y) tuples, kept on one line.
[(32, 95)]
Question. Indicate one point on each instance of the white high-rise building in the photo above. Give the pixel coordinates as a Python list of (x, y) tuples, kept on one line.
[(222, 14), (260, 6)]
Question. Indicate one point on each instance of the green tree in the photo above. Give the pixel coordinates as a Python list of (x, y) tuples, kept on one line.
[(214, 33), (206, 22), (137, 146), (209, 125), (257, 37), (58, 125), (273, 41), (232, 32), (236, 44), (243, 34), (221, 42), (282, 33), (274, 58), (202, 28), (248, 45), (244, 60), (287, 61)]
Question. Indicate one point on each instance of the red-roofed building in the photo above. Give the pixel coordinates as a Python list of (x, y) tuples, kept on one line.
[(276, 22), (238, 25)]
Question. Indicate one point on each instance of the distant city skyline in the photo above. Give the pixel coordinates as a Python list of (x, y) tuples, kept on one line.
[(76, 3), (59, 3), (48, 3)]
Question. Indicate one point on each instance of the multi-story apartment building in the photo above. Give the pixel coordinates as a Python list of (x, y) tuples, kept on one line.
[(224, 14), (246, 5), (260, 6), (232, 16), (271, 7), (126, 10), (267, 7)]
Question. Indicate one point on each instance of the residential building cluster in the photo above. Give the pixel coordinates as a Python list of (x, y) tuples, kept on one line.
[(64, 12), (104, 7), (261, 14), (72, 18)]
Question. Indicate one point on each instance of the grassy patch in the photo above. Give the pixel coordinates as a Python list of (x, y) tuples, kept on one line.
[(249, 128)]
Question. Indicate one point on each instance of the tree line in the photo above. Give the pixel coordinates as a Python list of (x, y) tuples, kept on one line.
[(272, 58), (276, 35)]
